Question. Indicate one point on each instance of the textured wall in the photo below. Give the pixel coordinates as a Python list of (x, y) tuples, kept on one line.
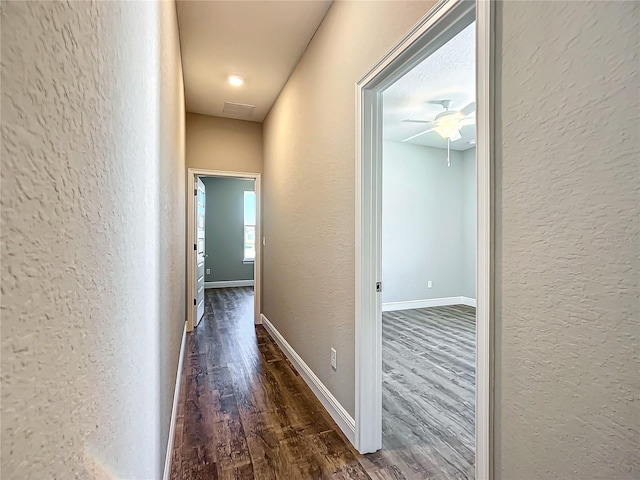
[(215, 143), (224, 229), (422, 213), (92, 237), (309, 206), (568, 200)]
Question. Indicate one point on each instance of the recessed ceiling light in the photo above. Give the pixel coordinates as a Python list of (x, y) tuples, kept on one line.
[(235, 80)]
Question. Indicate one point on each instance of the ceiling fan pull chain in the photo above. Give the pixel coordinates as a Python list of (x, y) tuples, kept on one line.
[(448, 159)]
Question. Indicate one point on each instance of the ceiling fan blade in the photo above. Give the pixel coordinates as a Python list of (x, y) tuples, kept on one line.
[(468, 109), (417, 135), (455, 136), (419, 121)]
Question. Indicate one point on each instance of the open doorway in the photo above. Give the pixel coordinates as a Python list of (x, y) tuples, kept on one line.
[(423, 255), (429, 261), (224, 254)]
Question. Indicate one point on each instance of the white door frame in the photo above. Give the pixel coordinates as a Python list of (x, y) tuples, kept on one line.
[(192, 173), (432, 31)]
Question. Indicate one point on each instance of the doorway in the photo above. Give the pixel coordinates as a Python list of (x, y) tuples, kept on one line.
[(436, 29), (223, 238), (428, 262)]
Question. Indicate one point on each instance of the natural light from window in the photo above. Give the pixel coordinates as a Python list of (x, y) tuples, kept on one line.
[(249, 226)]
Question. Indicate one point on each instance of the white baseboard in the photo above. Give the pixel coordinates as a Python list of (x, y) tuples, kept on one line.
[(174, 410), (346, 423), (471, 302), (229, 283), (426, 303)]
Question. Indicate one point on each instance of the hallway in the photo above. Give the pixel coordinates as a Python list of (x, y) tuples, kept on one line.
[(244, 412), (109, 107)]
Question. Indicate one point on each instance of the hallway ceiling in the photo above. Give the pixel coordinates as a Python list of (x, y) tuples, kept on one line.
[(258, 40), (448, 73)]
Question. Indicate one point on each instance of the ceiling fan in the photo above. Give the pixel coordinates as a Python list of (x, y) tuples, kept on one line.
[(447, 123)]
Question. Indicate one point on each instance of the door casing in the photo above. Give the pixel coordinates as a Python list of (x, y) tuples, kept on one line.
[(192, 175), (431, 32)]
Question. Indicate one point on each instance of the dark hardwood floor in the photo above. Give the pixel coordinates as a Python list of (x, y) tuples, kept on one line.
[(245, 413)]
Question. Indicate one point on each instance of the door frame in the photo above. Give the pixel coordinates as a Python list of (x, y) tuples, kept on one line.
[(433, 30), (192, 174)]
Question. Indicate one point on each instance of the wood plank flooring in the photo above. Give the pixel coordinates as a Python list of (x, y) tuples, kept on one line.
[(428, 400), (245, 413)]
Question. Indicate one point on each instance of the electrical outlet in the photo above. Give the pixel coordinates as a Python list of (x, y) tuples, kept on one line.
[(334, 359), (429, 284), (208, 271)]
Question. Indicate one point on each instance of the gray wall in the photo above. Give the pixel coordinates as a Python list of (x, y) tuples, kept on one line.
[(469, 223), (224, 229), (568, 269), (93, 237), (567, 273), (216, 143), (309, 187), (425, 205)]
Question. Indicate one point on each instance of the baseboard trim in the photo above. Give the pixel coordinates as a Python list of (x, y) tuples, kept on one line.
[(229, 283), (174, 411), (429, 302), (468, 301), (346, 423)]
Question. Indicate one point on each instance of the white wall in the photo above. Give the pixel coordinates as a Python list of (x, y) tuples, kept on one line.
[(93, 247), (424, 208)]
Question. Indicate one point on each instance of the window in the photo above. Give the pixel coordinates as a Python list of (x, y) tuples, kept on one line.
[(249, 226)]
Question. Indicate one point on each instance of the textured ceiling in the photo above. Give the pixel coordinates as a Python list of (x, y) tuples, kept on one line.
[(259, 40), (448, 73)]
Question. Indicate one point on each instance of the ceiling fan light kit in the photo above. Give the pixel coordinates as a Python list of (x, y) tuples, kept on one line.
[(447, 124)]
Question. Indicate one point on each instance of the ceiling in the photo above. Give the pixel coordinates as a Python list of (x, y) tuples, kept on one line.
[(448, 73), (259, 40)]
